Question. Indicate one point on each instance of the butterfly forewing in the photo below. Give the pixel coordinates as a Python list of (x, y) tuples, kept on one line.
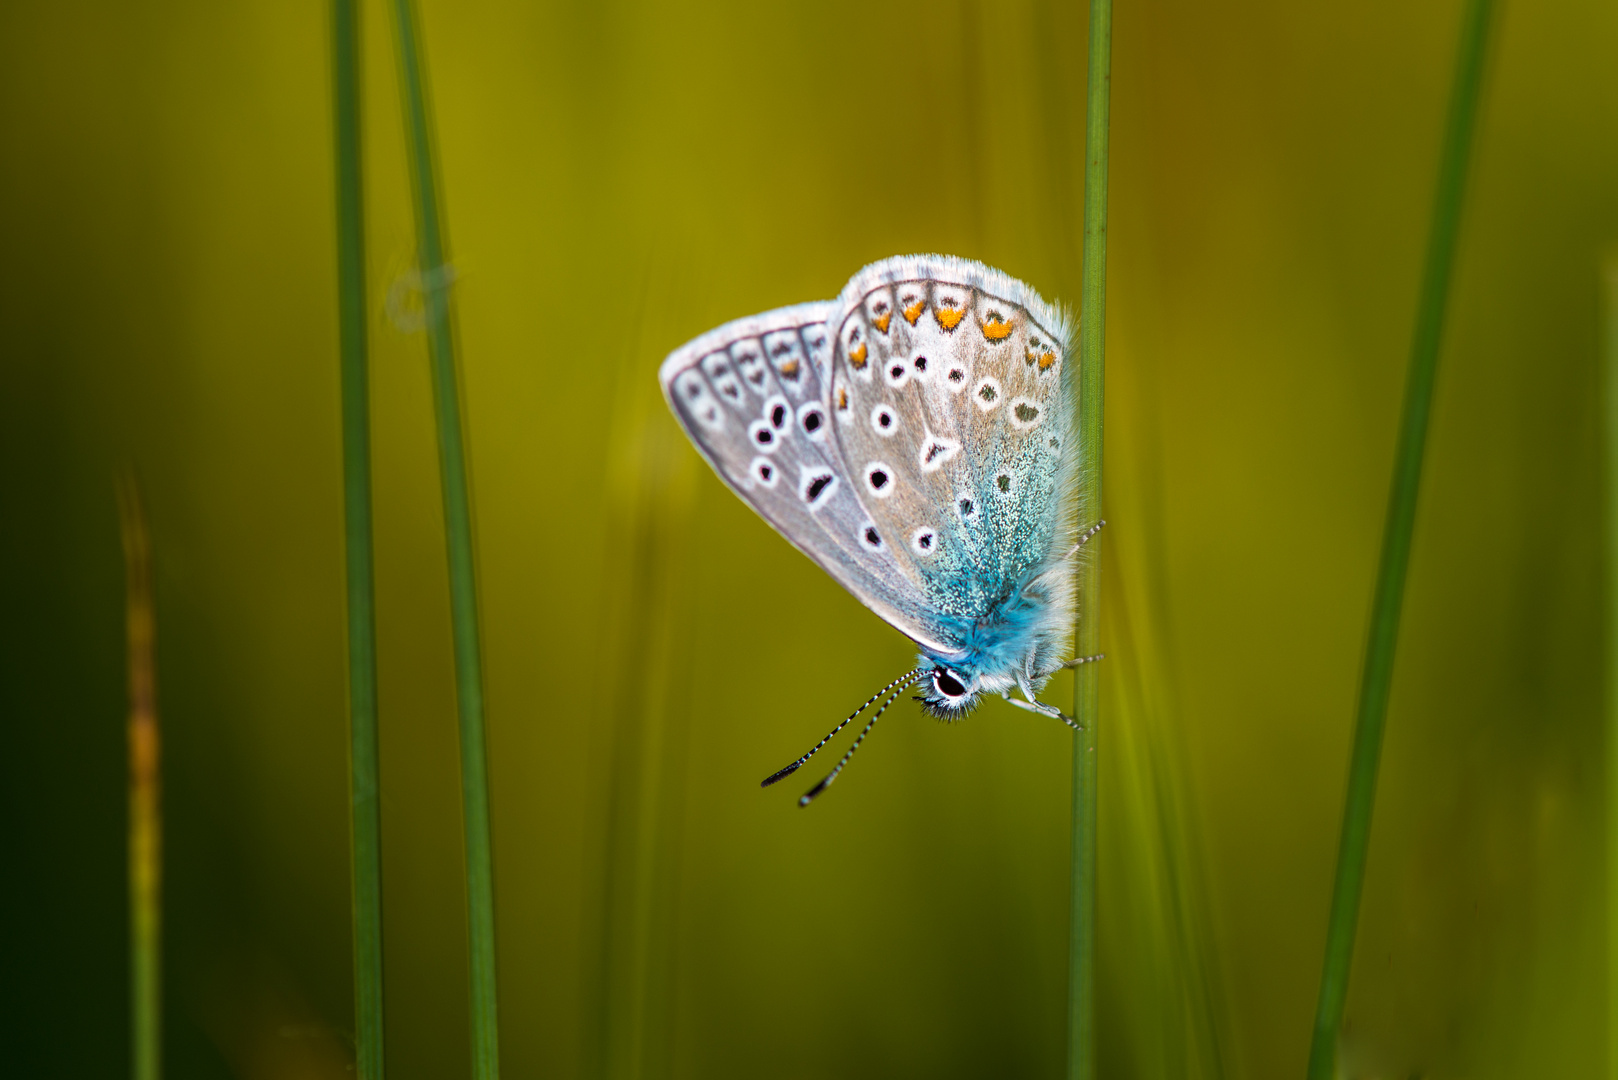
[(753, 396)]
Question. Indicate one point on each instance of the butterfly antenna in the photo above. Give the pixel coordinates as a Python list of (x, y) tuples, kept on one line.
[(907, 681), (911, 676), (1083, 539)]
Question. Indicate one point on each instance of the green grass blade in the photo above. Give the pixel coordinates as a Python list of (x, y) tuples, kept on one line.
[(432, 265), (365, 835), (145, 794), (1081, 1015), (1383, 636), (1609, 344)]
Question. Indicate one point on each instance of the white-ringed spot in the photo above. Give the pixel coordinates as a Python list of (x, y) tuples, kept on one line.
[(812, 420), (815, 485), (924, 542), (764, 471), (879, 479), (762, 435), (777, 412), (935, 450), (987, 393), (884, 421), (1025, 413)]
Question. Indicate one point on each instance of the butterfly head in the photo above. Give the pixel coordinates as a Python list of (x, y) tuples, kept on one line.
[(948, 693)]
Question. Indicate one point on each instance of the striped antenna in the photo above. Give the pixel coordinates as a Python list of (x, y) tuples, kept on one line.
[(907, 678), (904, 683)]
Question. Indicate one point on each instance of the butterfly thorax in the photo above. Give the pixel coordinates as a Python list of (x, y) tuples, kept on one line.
[(1018, 643)]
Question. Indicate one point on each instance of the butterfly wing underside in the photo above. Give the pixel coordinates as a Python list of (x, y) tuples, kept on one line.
[(953, 407), (915, 436), (752, 396)]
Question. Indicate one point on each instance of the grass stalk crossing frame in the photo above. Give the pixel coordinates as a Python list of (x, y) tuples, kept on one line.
[(1382, 639), (432, 265), (1081, 1026), (365, 821)]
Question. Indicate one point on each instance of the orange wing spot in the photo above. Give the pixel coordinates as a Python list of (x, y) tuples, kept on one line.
[(1046, 360), (789, 370), (996, 328), (882, 321), (913, 312), (842, 397), (949, 318), (857, 355)]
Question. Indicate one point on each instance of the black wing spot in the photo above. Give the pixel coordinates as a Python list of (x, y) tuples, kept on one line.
[(778, 415), (885, 419), (956, 374), (897, 370), (1026, 413), (811, 420), (924, 541), (987, 392), (817, 486), (872, 537), (1003, 482), (764, 436), (879, 479), (765, 472), (967, 509), (921, 363)]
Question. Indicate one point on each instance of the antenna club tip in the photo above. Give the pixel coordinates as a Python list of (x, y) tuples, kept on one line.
[(782, 775)]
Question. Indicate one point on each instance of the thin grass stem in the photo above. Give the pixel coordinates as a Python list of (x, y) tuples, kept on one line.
[(145, 794), (1609, 343), (432, 264), (1081, 1016), (1382, 639), (365, 824)]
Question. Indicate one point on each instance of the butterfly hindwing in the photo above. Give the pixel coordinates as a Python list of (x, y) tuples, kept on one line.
[(954, 414)]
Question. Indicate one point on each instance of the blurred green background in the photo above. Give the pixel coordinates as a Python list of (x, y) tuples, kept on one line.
[(619, 177)]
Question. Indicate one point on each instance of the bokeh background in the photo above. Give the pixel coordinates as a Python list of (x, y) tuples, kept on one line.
[(618, 177)]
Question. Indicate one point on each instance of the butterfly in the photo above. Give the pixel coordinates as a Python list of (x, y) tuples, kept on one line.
[(917, 437)]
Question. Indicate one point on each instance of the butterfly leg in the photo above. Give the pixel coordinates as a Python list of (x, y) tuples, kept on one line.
[(1084, 660), (1043, 709)]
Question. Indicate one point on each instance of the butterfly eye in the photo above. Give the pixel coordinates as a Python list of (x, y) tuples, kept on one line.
[(945, 682)]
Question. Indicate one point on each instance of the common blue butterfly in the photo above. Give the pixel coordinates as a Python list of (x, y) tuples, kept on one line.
[(917, 438)]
